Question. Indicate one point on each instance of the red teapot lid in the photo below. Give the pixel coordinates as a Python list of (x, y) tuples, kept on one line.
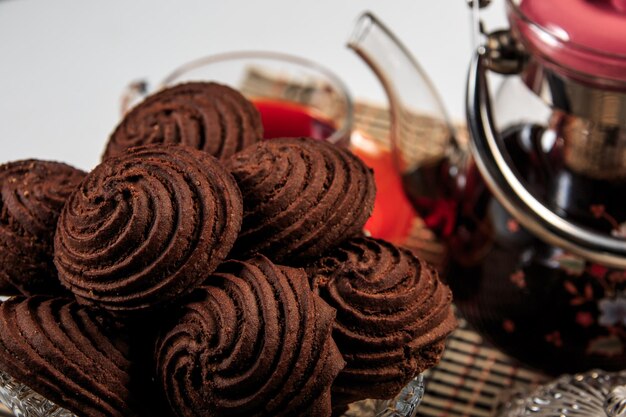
[(585, 38)]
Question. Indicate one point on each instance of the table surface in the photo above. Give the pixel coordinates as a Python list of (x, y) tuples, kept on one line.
[(64, 63)]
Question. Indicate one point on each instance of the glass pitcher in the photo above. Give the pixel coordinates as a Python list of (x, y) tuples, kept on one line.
[(532, 208)]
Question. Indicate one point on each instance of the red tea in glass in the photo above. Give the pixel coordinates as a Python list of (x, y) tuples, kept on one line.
[(286, 119)]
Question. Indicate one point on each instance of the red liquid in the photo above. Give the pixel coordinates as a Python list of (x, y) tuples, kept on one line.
[(536, 302), (284, 119), (393, 214)]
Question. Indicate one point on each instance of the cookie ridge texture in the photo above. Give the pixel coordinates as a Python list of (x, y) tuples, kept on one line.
[(147, 227), (253, 341), (393, 315), (301, 197), (62, 351), (203, 115), (33, 193)]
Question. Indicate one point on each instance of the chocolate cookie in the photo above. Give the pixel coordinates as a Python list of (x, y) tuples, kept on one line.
[(147, 227), (301, 197), (32, 196), (253, 341), (393, 314), (61, 351), (206, 116)]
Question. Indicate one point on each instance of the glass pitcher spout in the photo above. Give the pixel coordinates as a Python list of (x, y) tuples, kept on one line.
[(423, 141)]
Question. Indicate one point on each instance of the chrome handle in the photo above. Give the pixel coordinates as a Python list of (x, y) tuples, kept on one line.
[(513, 195)]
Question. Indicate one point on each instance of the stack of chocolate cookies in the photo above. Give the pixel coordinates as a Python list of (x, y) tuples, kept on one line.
[(198, 263)]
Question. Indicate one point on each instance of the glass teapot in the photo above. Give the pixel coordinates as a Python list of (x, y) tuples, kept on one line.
[(532, 208)]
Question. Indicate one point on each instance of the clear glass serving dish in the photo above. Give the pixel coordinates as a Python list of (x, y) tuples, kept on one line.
[(591, 394), (18, 400)]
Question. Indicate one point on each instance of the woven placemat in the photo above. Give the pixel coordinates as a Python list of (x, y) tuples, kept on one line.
[(473, 379)]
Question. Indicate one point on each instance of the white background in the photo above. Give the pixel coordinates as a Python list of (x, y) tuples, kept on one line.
[(64, 63)]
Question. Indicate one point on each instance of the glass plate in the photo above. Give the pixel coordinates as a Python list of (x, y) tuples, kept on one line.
[(24, 402), (404, 405), (591, 394)]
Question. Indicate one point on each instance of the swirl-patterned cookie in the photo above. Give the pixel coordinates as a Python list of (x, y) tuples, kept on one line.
[(205, 116), (393, 315), (32, 196), (60, 350), (253, 341), (146, 228), (301, 197)]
